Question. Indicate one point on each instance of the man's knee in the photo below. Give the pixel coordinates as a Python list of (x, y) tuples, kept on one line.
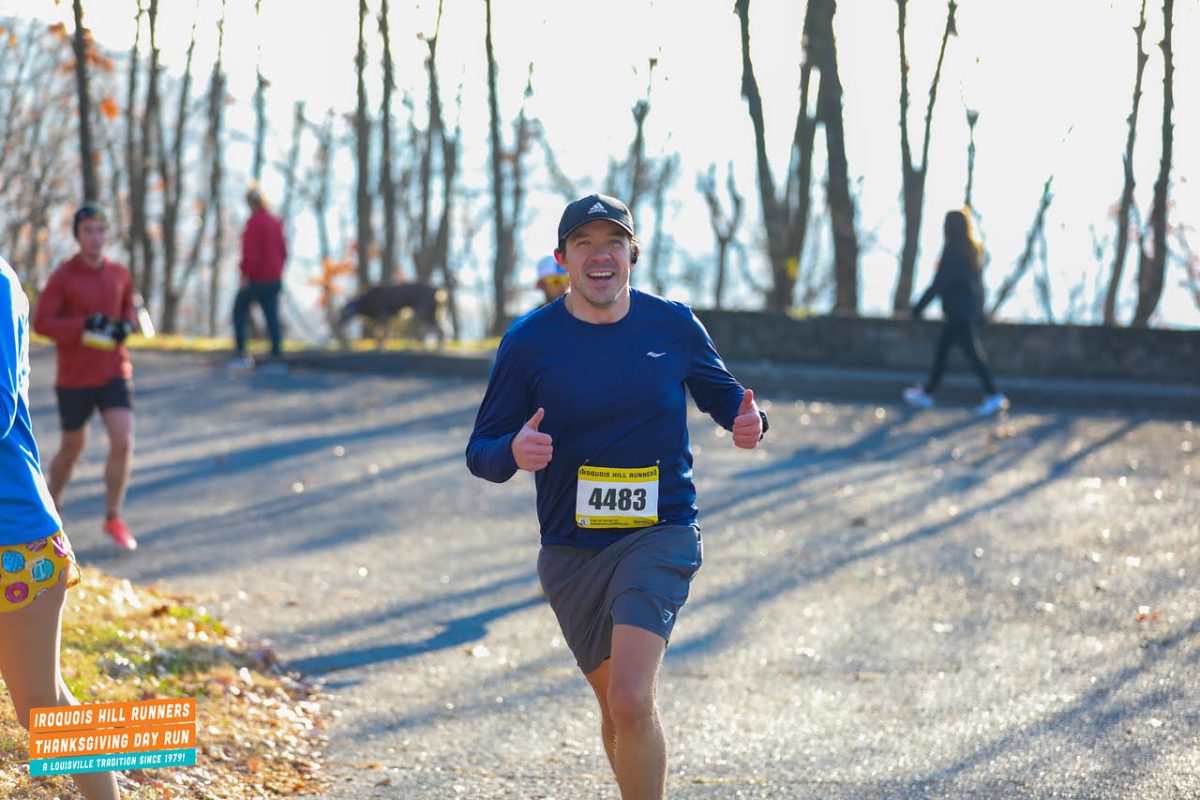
[(121, 446), (631, 707)]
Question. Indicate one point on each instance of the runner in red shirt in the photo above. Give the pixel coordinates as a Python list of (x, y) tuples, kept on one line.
[(87, 309)]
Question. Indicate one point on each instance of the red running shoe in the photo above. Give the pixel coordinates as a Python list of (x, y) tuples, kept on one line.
[(120, 534)]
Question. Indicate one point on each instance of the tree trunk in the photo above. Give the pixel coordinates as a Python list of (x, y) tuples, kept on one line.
[(387, 184), (151, 123), (913, 176), (216, 106), (1152, 265), (260, 103), (137, 180), (505, 257), (289, 169), (840, 201), (86, 159), (362, 138), (171, 171), (1126, 207), (785, 219), (724, 226), (428, 252)]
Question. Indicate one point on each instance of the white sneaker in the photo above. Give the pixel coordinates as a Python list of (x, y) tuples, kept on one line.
[(915, 396), (240, 364), (992, 404)]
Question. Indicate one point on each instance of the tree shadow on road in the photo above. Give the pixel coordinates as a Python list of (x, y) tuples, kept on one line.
[(455, 632), (742, 601), (1093, 723)]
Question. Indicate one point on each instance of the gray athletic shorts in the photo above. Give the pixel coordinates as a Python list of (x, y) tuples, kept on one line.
[(640, 580)]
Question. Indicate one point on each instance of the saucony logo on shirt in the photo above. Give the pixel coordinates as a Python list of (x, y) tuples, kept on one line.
[(653, 354), (598, 208)]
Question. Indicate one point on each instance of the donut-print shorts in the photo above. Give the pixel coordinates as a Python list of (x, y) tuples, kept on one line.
[(27, 570)]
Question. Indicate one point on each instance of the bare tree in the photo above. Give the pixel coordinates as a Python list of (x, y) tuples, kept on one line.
[(81, 42), (662, 176), (432, 233), (319, 184), (1035, 234), (785, 217), (40, 106), (842, 212), (290, 166), (631, 179), (216, 179), (972, 120), (387, 183), (151, 125), (1124, 210), (914, 176), (170, 168), (724, 224), (260, 100), (133, 166), (362, 138), (1152, 264), (508, 186)]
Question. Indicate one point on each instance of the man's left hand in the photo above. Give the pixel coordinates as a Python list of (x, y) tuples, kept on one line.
[(747, 425)]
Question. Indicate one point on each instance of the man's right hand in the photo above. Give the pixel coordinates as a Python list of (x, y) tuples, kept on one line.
[(96, 322), (532, 449)]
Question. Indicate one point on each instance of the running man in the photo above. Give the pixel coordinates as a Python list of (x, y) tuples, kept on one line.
[(588, 393), (87, 309)]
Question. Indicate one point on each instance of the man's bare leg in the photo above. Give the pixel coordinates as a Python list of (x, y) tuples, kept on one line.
[(641, 748), (118, 422), (598, 678), (63, 463)]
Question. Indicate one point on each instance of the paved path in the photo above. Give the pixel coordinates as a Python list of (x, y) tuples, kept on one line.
[(892, 605)]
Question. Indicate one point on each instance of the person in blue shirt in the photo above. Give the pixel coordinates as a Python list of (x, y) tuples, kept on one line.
[(590, 394), (959, 285), (37, 564)]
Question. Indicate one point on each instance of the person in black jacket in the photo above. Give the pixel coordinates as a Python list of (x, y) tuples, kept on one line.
[(960, 287)]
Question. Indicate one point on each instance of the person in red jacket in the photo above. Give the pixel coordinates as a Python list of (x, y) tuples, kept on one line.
[(264, 251), (87, 309)]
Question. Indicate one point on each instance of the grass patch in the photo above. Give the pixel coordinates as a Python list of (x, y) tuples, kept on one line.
[(258, 728)]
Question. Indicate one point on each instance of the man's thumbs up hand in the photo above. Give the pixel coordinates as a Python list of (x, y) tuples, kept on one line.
[(747, 425), (532, 449)]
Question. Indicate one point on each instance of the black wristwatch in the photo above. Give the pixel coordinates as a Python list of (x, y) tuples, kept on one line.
[(766, 425)]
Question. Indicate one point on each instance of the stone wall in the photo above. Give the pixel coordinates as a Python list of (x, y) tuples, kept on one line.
[(1051, 351)]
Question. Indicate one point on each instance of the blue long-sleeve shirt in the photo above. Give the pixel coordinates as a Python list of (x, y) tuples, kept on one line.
[(614, 396), (26, 511)]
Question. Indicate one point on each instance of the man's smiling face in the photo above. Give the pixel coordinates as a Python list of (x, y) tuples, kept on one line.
[(597, 257)]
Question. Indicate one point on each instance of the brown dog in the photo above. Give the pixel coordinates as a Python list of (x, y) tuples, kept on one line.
[(381, 304)]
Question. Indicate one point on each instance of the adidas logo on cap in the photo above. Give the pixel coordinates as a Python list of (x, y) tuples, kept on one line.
[(591, 207)]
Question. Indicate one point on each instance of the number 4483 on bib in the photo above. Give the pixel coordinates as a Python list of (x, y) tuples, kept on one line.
[(608, 497)]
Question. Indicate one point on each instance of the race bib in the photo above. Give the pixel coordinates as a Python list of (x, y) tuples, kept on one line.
[(607, 497)]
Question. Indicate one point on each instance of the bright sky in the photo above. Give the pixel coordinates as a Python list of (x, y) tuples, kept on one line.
[(1033, 68)]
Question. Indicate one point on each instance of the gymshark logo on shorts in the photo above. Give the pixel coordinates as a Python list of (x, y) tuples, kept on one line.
[(667, 615), (653, 354), (597, 209)]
